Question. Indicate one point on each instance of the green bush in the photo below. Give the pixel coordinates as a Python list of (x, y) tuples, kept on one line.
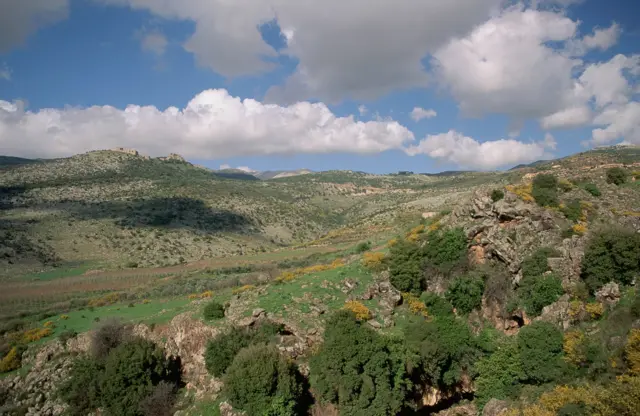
[(66, 335), (360, 371), (545, 190), (592, 189), (465, 293), (81, 389), (537, 292), (617, 176), (540, 349), (108, 336), (131, 372), (436, 304), (536, 264), (261, 382), (446, 250), (446, 349), (497, 195), (611, 255), (213, 310), (572, 210), (405, 267), (499, 374), (222, 349), (363, 246)]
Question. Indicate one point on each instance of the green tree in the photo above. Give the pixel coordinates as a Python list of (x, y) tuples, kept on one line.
[(611, 255), (81, 389), (405, 266), (540, 349), (363, 246), (262, 382), (536, 264), (500, 374), (617, 176), (213, 310), (465, 293), (359, 370), (537, 292), (545, 190), (446, 349), (446, 250), (436, 304)]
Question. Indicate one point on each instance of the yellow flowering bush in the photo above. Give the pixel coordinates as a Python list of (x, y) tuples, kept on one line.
[(361, 312)]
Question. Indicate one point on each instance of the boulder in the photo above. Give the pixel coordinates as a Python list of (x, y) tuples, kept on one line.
[(558, 312), (608, 294), (495, 407)]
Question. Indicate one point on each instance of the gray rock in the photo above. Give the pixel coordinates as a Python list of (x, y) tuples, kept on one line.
[(608, 294), (495, 407), (258, 312)]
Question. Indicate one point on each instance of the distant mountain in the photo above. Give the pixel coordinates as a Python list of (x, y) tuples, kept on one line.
[(235, 174), (275, 174), (13, 161), (529, 165)]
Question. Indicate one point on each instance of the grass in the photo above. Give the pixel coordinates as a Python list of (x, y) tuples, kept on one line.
[(60, 272)]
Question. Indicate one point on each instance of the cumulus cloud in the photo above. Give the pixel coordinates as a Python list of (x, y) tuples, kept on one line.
[(246, 169), (621, 121), (568, 118), (19, 19), (345, 49), (467, 152), (603, 39), (213, 125), (418, 113)]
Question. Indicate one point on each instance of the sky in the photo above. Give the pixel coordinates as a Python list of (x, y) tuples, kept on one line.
[(369, 85)]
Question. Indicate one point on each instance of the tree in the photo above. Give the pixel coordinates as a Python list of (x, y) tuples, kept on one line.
[(465, 293), (363, 246), (611, 255), (540, 348), (499, 374), (545, 190), (131, 372), (616, 176), (405, 267), (538, 292), (359, 370), (81, 389), (213, 310), (536, 264), (447, 250), (107, 337), (436, 304), (262, 382)]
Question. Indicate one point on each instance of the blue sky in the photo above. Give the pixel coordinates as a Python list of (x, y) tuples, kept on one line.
[(334, 85)]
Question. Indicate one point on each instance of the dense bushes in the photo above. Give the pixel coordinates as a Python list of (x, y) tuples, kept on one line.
[(446, 349), (572, 210), (545, 191), (592, 189), (446, 250), (537, 292), (222, 349), (358, 370), (617, 176), (120, 379), (536, 264), (499, 374), (611, 255), (260, 382), (213, 310), (465, 293), (540, 349), (405, 267), (363, 246)]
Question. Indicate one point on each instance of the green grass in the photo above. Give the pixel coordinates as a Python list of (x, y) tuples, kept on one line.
[(156, 311), (60, 272)]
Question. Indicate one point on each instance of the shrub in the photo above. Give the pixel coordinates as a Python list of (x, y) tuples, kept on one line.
[(632, 351), (67, 335), (261, 382), (81, 389), (592, 189), (131, 371), (445, 347), (572, 210), (405, 267), (213, 310), (446, 250), (361, 312), (497, 195), (11, 361), (363, 246), (565, 185), (522, 191), (579, 229), (538, 292), (373, 261), (499, 374), (436, 304), (107, 337), (465, 293), (594, 309), (616, 176), (222, 349), (544, 190), (416, 306), (359, 370), (536, 264), (611, 255), (161, 401), (540, 345), (574, 347)]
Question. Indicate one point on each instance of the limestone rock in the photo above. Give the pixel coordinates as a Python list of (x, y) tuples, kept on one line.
[(495, 407), (468, 409), (557, 313), (608, 294)]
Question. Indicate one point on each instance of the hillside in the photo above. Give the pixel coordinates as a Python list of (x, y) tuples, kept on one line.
[(493, 293)]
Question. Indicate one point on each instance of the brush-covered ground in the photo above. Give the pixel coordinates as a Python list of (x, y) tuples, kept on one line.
[(109, 235)]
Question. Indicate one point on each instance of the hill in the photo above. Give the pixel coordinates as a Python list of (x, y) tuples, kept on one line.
[(462, 293)]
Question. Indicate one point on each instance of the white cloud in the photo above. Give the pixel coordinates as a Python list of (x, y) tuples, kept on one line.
[(246, 169), (607, 81), (603, 39), (621, 121), (351, 49), (567, 118), (225, 166), (506, 66), (154, 42), (469, 153), (212, 125), (21, 18), (363, 110), (418, 113), (5, 72)]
